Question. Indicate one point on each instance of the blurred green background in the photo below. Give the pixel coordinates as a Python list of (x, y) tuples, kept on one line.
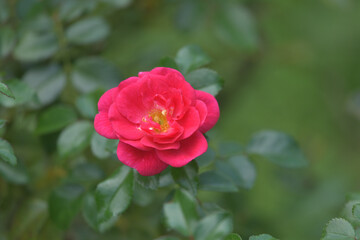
[(287, 65)]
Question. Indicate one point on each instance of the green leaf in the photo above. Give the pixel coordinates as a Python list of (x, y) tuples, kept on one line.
[(181, 214), (187, 177), (74, 138), (148, 182), (87, 105), (190, 58), (277, 147), (90, 214), (206, 158), (114, 195), (213, 181), (6, 91), (356, 211), (239, 169), (233, 236), (48, 82), (7, 41), (65, 203), (55, 118), (206, 80), (235, 25), (168, 62), (338, 229), (22, 92), (118, 3), (262, 237), (142, 196), (102, 147), (72, 9), (229, 148), (13, 174), (86, 174), (214, 226), (92, 73), (87, 31), (7, 152), (348, 212), (36, 46), (29, 219)]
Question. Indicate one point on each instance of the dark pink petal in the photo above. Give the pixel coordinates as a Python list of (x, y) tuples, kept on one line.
[(145, 162), (190, 122), (171, 135), (149, 142), (176, 80), (213, 111), (190, 148), (122, 126), (175, 103), (127, 82), (136, 144), (103, 126), (106, 100), (202, 110), (130, 104)]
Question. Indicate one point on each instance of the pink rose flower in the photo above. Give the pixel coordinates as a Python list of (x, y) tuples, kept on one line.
[(159, 119)]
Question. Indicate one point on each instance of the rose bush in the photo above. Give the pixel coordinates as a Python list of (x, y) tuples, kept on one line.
[(159, 119)]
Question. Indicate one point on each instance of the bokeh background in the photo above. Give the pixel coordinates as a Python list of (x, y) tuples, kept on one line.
[(287, 65)]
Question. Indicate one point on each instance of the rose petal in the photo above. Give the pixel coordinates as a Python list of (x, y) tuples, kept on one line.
[(171, 135), (212, 109), (190, 148), (122, 126), (136, 144), (106, 100), (130, 104), (103, 125), (145, 162), (176, 80), (190, 122), (127, 82), (147, 141), (202, 110)]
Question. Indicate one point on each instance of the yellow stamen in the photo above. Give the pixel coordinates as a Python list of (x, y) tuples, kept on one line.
[(159, 116)]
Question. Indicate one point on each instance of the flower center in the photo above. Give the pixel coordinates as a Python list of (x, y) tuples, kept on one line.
[(158, 117)]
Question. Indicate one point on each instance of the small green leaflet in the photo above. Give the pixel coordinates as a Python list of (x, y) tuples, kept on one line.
[(338, 229), (277, 147), (214, 226), (7, 153), (74, 138), (190, 58), (6, 91), (114, 195), (181, 214)]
